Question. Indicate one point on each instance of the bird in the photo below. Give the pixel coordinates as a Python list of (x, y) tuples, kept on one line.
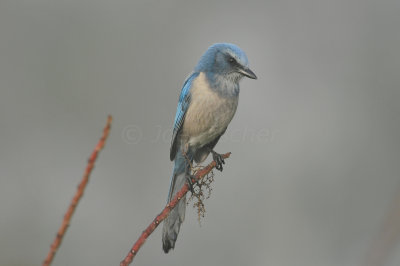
[(207, 104)]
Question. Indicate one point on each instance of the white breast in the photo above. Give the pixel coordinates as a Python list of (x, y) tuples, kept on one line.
[(208, 115)]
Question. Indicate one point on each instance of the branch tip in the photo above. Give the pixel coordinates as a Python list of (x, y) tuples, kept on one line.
[(75, 200)]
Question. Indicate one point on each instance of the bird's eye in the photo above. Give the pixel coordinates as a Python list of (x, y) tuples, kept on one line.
[(232, 60)]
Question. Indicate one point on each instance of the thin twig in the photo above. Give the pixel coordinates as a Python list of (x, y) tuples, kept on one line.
[(387, 238), (164, 214), (67, 217)]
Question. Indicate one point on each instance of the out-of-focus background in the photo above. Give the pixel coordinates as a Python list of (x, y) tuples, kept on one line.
[(315, 141)]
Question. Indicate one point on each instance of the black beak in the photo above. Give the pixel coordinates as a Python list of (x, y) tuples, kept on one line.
[(248, 73)]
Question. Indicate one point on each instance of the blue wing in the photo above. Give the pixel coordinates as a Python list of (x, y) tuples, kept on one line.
[(183, 105)]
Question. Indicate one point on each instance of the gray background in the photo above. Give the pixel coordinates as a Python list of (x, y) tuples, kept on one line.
[(315, 148)]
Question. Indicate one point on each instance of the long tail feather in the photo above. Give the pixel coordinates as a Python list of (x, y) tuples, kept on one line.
[(173, 222)]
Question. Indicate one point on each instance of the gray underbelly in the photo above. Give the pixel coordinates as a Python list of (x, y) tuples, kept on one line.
[(208, 115), (209, 126)]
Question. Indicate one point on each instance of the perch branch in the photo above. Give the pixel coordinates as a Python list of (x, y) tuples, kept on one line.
[(67, 217), (164, 214)]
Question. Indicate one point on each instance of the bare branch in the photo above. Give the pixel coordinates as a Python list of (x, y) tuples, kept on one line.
[(164, 214), (387, 238), (67, 217)]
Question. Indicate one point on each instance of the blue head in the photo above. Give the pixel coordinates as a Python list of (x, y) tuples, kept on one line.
[(225, 65)]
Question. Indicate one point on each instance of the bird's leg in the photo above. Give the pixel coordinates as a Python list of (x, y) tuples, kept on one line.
[(189, 180), (218, 159), (189, 176)]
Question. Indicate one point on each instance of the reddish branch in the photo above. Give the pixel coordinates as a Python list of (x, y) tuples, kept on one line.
[(164, 214), (67, 217), (388, 237)]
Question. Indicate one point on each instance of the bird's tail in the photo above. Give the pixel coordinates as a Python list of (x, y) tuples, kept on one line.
[(176, 217)]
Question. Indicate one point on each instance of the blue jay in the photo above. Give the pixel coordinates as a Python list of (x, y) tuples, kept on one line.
[(206, 106)]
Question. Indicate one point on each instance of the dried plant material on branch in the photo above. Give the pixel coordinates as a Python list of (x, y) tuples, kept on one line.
[(201, 173), (201, 191)]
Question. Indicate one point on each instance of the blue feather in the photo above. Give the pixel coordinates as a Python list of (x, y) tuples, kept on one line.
[(183, 105)]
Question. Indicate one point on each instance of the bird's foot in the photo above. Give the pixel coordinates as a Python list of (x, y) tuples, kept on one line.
[(189, 180), (219, 160)]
